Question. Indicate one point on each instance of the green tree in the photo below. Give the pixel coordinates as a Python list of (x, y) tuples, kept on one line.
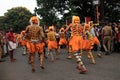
[(48, 10), (2, 25), (112, 10), (17, 18), (82, 8)]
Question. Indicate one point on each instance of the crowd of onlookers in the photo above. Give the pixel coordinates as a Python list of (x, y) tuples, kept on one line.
[(115, 43), (3, 45)]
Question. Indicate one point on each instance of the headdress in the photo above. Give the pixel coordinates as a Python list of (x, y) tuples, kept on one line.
[(22, 32), (51, 28), (87, 26), (62, 29), (34, 20), (75, 19)]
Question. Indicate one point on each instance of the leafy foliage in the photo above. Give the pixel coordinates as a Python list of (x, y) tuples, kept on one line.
[(17, 18), (49, 9), (112, 10)]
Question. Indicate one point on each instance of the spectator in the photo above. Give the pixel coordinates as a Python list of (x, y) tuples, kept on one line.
[(118, 39), (1, 51), (11, 44), (107, 34)]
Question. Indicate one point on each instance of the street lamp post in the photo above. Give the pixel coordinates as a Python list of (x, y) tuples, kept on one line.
[(96, 2)]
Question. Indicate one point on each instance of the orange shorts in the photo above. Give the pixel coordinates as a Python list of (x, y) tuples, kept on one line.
[(75, 42), (38, 47), (62, 41), (52, 45), (89, 44), (23, 42), (96, 41)]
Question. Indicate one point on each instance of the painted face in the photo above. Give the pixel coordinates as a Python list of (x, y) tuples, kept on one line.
[(34, 20), (51, 28), (87, 26), (76, 21)]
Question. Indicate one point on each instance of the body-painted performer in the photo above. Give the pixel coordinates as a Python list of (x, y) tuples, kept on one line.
[(35, 44), (88, 42), (63, 40), (75, 42), (19, 39), (23, 42), (95, 38), (52, 43)]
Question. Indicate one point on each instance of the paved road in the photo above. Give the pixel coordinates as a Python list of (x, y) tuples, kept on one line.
[(107, 68)]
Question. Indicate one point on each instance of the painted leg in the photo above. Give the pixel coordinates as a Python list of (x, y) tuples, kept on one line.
[(29, 58), (41, 59), (81, 52), (51, 56), (80, 66), (91, 56), (69, 53), (57, 54), (24, 50), (88, 54), (33, 62), (58, 50), (48, 52), (67, 48)]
